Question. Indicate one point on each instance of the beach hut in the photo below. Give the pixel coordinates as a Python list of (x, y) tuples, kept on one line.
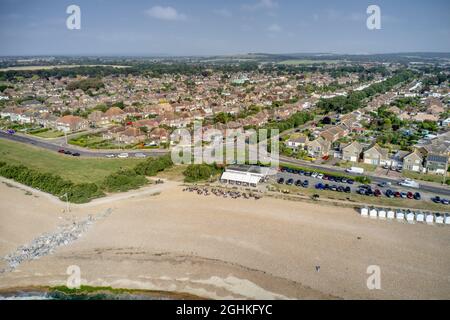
[(447, 219), (410, 216), (364, 212), (429, 218), (382, 214), (439, 218), (390, 214), (400, 215), (373, 213), (420, 217)]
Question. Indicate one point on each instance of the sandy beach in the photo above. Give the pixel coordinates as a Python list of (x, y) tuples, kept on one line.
[(161, 238)]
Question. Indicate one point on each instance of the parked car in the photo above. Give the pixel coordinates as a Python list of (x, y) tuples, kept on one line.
[(314, 174), (76, 154), (347, 189), (436, 199), (305, 184), (377, 193), (68, 152), (410, 195), (320, 176), (350, 181), (290, 182), (298, 183), (404, 195), (445, 201), (280, 181), (390, 193), (397, 194), (417, 196), (123, 155), (320, 186), (384, 184), (140, 155), (61, 151), (110, 156)]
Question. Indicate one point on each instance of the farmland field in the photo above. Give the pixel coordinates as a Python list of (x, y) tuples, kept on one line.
[(77, 170), (305, 61)]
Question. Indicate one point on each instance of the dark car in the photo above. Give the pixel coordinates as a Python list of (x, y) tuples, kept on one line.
[(377, 193), (436, 199), (298, 183), (445, 201), (340, 189), (76, 154), (68, 152), (290, 182), (410, 195), (327, 186), (308, 173), (350, 181), (390, 193), (281, 180), (362, 191), (61, 151), (305, 184), (347, 190), (320, 186), (417, 196)]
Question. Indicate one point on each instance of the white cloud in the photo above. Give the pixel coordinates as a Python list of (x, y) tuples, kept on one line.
[(275, 28), (225, 13), (165, 13), (261, 4)]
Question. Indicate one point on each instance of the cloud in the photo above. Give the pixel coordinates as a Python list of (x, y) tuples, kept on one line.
[(165, 13), (261, 4), (225, 13), (275, 28)]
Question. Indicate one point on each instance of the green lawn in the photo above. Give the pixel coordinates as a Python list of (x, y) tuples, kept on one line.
[(49, 134), (75, 169), (437, 178)]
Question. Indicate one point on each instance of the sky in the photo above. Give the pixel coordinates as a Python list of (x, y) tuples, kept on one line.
[(214, 27)]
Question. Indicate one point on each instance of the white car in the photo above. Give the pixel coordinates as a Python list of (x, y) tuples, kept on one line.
[(314, 174), (123, 155), (140, 155), (110, 156), (320, 176)]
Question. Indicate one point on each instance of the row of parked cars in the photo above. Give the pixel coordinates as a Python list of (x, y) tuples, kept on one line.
[(367, 190), (318, 175), (298, 183), (69, 153), (440, 200), (321, 186)]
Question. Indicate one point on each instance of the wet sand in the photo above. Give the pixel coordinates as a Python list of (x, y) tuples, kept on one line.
[(224, 249)]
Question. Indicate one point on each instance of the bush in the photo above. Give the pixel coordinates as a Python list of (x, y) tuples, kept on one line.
[(123, 180), (50, 183), (152, 166), (200, 172)]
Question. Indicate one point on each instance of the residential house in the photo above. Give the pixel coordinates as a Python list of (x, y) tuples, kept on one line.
[(71, 123), (413, 161), (318, 148), (131, 136), (436, 164), (376, 155), (352, 152), (115, 114), (297, 142)]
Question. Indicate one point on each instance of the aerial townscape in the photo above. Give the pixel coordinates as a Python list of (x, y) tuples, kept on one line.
[(95, 204)]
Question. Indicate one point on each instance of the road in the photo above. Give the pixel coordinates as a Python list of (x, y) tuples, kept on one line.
[(54, 146), (439, 190)]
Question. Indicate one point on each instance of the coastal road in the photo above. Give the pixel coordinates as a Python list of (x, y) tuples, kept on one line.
[(55, 146)]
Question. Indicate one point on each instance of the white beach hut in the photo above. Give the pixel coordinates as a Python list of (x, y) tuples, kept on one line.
[(373, 213), (382, 213), (391, 214), (410, 216), (429, 218), (420, 216), (439, 218), (447, 219), (400, 215), (364, 212)]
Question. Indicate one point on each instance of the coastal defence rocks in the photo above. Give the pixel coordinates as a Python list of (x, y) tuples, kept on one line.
[(47, 243)]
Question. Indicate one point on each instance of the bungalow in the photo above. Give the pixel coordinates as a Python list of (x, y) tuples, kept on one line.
[(376, 155), (131, 136), (297, 142), (115, 114), (98, 119), (352, 152), (318, 148)]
